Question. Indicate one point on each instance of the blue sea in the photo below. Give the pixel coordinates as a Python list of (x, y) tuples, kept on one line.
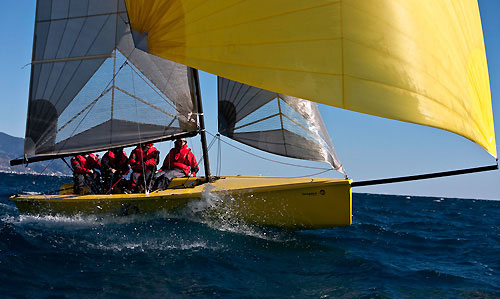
[(397, 247)]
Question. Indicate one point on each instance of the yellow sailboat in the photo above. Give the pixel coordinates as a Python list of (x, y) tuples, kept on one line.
[(416, 61)]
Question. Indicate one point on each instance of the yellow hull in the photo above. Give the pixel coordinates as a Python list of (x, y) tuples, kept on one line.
[(294, 203)]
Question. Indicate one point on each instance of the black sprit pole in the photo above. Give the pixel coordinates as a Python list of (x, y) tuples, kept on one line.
[(201, 119)]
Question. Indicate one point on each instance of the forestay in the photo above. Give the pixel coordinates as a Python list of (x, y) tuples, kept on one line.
[(417, 61), (91, 89), (274, 122)]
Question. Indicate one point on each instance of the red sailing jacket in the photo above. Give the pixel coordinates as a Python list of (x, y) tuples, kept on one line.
[(110, 161), (83, 164), (184, 159), (150, 159)]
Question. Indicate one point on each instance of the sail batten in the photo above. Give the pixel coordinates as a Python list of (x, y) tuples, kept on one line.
[(73, 59), (417, 61)]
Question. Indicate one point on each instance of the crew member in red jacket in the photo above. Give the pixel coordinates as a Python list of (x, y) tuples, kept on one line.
[(143, 160), (114, 165), (180, 162), (84, 172)]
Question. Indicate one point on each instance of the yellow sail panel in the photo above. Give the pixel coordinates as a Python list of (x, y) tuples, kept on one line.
[(417, 61)]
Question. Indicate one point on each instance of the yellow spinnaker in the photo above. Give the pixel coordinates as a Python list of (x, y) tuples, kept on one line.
[(419, 61)]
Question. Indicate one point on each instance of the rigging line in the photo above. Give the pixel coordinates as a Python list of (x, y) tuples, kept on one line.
[(319, 139), (208, 149), (271, 160), (251, 99), (310, 175), (282, 126), (219, 158), (48, 164), (103, 93), (90, 46), (82, 111), (161, 95), (92, 105), (145, 102), (140, 139), (254, 122)]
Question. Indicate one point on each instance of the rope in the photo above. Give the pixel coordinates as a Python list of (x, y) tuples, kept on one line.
[(219, 156), (303, 176), (208, 149), (48, 164), (140, 140), (161, 95)]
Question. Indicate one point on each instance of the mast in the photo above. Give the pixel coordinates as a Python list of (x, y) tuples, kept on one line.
[(201, 118)]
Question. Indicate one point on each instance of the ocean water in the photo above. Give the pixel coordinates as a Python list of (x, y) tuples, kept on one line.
[(397, 247)]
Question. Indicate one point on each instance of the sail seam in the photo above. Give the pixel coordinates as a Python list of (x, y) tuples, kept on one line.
[(76, 69), (254, 66), (91, 105), (260, 18), (88, 49), (321, 141), (284, 163), (241, 97), (248, 102), (145, 102), (254, 122), (282, 126), (425, 96), (167, 127), (402, 33), (155, 89), (243, 140), (289, 41), (196, 7), (435, 80), (239, 92), (81, 112), (342, 52), (58, 47)]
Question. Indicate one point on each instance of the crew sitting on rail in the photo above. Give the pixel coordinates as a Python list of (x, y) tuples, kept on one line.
[(114, 166), (143, 160), (180, 162), (85, 174)]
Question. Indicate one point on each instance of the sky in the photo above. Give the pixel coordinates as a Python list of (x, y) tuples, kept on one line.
[(369, 147)]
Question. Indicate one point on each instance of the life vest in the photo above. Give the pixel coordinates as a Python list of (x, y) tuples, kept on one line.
[(82, 164), (149, 161), (184, 160), (114, 162)]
